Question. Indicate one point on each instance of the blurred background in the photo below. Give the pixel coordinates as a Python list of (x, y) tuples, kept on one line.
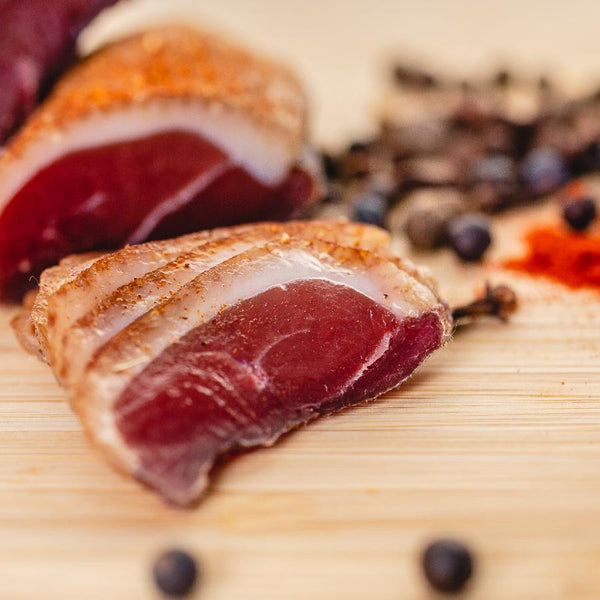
[(341, 47)]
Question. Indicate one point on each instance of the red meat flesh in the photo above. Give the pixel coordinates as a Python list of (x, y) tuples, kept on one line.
[(261, 368), (37, 44), (98, 198)]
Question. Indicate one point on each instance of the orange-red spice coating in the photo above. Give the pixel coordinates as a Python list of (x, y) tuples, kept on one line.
[(554, 252), (167, 63)]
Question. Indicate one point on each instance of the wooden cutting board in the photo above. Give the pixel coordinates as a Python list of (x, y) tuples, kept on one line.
[(496, 440)]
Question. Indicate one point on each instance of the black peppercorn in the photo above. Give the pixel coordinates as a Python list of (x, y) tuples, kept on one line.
[(370, 208), (469, 236), (175, 573), (448, 565), (544, 170), (502, 78), (411, 76), (579, 213), (426, 228), (330, 165)]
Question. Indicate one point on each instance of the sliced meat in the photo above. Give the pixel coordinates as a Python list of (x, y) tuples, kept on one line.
[(60, 306), (74, 341), (250, 349), (167, 132), (176, 354), (37, 43)]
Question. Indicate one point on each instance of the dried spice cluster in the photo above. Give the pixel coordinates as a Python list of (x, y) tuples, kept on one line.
[(448, 152)]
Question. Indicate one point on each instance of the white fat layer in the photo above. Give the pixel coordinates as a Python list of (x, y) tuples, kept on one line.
[(262, 151), (78, 300), (122, 267), (81, 341)]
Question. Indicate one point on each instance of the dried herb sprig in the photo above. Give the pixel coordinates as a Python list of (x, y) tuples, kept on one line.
[(498, 302)]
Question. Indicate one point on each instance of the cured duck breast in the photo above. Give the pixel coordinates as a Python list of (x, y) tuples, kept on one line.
[(37, 44), (166, 132), (238, 340)]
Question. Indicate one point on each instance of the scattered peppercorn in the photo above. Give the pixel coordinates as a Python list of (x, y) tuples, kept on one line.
[(411, 76), (502, 78), (579, 213), (429, 213), (370, 208), (175, 573), (544, 171), (448, 565), (494, 148), (426, 228), (469, 236)]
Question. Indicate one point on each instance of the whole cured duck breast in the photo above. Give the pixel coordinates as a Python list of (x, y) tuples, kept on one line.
[(205, 345), (163, 133)]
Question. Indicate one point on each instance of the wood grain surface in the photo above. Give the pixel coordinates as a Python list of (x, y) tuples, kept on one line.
[(496, 440)]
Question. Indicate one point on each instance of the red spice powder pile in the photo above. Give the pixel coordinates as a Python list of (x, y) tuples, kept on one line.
[(559, 254)]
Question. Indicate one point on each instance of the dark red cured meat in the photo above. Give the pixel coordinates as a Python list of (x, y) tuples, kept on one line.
[(37, 44), (97, 198), (259, 369)]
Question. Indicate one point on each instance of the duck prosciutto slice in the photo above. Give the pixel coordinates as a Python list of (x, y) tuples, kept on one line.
[(37, 44), (249, 349), (86, 289), (74, 341), (166, 132), (232, 341)]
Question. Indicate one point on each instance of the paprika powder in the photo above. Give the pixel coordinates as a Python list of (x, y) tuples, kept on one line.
[(554, 252)]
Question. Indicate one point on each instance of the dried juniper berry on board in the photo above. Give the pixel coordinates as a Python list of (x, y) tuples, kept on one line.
[(370, 208), (447, 565), (544, 170), (469, 236), (175, 573), (579, 213)]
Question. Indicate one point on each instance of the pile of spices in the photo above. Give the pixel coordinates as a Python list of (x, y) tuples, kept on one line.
[(557, 253), (495, 143)]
